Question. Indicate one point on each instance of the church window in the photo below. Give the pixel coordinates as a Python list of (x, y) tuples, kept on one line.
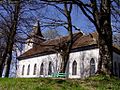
[(92, 66), (28, 70), (50, 68), (74, 68), (119, 69), (41, 69), (23, 67), (35, 68), (115, 68)]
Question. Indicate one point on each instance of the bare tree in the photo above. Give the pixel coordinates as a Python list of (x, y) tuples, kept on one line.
[(15, 17), (7, 55), (99, 13), (101, 18), (64, 47)]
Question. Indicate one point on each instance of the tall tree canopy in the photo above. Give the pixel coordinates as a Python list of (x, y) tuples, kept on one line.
[(99, 13)]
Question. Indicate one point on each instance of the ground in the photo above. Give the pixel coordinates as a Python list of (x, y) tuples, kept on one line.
[(92, 83)]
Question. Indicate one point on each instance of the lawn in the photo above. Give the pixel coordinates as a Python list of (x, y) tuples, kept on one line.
[(92, 83)]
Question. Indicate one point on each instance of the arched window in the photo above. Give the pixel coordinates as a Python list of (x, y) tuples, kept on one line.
[(119, 69), (74, 68), (23, 67), (92, 66), (28, 70), (115, 68), (35, 68), (41, 69), (50, 68)]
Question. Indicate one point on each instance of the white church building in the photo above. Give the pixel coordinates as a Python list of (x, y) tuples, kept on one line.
[(41, 60)]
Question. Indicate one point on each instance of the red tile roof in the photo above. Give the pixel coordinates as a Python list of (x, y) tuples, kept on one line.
[(51, 46)]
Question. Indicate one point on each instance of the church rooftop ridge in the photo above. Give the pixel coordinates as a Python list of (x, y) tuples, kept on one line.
[(81, 41), (48, 46)]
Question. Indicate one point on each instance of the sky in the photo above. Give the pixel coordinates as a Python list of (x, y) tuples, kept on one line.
[(78, 19)]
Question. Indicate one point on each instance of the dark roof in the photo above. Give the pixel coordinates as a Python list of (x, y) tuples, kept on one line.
[(51, 46), (116, 49)]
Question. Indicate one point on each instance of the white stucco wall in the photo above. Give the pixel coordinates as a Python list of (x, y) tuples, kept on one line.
[(28, 46), (83, 62), (38, 60), (82, 58)]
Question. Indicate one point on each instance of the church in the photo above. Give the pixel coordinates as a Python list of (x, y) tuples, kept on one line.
[(41, 60)]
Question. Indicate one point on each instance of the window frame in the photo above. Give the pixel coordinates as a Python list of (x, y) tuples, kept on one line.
[(50, 68), (74, 67), (28, 70), (42, 69), (35, 69), (92, 66), (23, 69)]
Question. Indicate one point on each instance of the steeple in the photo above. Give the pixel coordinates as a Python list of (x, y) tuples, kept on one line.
[(35, 37), (37, 29)]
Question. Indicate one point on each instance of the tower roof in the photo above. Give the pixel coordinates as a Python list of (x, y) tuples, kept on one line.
[(37, 30)]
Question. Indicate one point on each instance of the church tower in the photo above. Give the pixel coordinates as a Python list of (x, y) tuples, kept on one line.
[(35, 37), (36, 30)]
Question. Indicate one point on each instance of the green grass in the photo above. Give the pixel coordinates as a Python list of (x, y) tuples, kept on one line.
[(92, 83)]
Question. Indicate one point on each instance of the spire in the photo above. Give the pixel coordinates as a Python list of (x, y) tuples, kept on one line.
[(37, 29)]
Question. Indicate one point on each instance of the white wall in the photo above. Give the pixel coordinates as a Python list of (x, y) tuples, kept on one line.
[(28, 45), (82, 58), (83, 62), (38, 60)]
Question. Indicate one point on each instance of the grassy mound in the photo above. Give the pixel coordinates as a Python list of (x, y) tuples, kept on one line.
[(92, 83)]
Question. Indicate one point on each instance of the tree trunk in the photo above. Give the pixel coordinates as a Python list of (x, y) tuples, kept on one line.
[(66, 51), (65, 58), (105, 39), (8, 64), (10, 42), (1, 69), (13, 33), (3, 59), (105, 51), (7, 56)]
